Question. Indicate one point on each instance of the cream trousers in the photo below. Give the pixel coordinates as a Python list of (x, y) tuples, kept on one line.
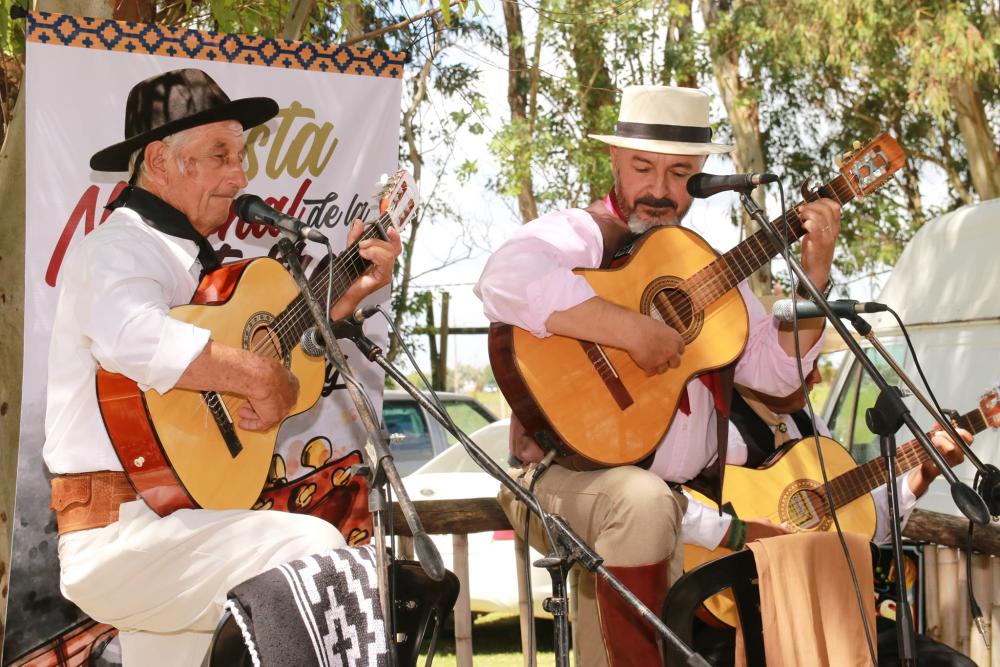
[(162, 581), (629, 515)]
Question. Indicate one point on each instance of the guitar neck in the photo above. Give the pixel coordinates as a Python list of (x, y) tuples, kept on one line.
[(735, 266), (345, 268), (869, 476)]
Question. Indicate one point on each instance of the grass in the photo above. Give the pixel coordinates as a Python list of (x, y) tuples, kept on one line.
[(496, 642)]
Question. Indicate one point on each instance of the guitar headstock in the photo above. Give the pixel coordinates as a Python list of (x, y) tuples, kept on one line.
[(398, 198), (868, 167), (989, 405)]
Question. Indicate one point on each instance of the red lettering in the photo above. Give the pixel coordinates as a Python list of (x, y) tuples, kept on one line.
[(257, 230), (86, 210)]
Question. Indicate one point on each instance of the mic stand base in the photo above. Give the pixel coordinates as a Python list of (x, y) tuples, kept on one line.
[(569, 548)]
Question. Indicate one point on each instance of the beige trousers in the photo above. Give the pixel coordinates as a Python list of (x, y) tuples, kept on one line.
[(629, 515), (162, 581)]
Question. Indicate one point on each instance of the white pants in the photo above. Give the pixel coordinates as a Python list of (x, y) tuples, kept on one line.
[(163, 581)]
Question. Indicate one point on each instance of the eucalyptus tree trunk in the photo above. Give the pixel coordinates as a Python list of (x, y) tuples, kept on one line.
[(980, 145), (519, 84), (744, 116)]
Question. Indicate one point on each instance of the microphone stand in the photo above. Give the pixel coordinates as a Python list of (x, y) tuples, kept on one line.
[(885, 418), (380, 464), (569, 547)]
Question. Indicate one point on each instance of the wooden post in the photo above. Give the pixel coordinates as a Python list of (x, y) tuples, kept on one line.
[(432, 343), (443, 345), (463, 606)]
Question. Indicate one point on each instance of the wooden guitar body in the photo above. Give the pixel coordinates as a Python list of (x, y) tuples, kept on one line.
[(171, 445), (596, 397), (782, 492)]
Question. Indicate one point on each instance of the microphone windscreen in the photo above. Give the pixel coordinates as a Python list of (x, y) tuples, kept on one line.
[(245, 205), (784, 310)]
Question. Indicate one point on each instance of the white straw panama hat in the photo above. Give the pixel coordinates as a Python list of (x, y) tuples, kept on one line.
[(664, 119)]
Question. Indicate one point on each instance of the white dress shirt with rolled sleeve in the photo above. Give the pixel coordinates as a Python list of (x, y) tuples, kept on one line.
[(115, 290)]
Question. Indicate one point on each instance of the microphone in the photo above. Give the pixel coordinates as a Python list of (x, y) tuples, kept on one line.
[(785, 310), (705, 185), (253, 209), (312, 339)]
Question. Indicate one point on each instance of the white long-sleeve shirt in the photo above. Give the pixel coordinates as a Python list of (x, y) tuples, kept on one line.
[(115, 290), (703, 526)]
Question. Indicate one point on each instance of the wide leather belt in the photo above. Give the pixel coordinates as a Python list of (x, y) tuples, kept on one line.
[(89, 500)]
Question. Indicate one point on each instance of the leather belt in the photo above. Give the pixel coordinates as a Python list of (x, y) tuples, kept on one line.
[(90, 499)]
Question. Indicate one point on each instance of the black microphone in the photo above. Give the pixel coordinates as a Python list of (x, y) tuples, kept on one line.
[(705, 185), (253, 209), (786, 309)]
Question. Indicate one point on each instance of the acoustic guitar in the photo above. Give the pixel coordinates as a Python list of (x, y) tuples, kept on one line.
[(593, 400), (185, 449), (789, 489)]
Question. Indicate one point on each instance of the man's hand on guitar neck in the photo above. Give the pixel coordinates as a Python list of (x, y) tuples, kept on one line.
[(922, 476), (382, 255), (654, 346)]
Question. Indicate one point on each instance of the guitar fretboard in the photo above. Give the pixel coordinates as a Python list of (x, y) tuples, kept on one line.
[(347, 267), (714, 280), (861, 480)]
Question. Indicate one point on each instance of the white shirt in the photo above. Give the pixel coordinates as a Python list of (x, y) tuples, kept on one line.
[(115, 289), (531, 276), (703, 526)]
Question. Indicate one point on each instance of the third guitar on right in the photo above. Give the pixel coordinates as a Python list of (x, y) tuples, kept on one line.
[(789, 489)]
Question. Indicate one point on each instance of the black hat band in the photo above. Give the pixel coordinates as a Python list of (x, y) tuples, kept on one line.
[(685, 133)]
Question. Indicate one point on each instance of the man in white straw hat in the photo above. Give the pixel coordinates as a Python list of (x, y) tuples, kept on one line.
[(631, 517)]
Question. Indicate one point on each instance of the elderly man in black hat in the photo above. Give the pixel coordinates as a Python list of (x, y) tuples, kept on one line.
[(629, 514), (162, 580)]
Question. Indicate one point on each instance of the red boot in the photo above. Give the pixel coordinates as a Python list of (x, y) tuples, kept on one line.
[(629, 640)]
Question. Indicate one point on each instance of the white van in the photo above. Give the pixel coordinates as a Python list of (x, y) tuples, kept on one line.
[(946, 289)]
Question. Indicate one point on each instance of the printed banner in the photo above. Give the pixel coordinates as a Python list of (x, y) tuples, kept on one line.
[(319, 160)]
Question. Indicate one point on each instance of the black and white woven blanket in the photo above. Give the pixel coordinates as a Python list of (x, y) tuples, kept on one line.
[(321, 610)]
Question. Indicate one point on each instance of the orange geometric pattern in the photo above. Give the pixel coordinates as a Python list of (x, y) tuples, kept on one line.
[(154, 39)]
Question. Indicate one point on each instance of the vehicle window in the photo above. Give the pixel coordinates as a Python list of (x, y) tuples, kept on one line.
[(406, 420), (492, 440), (848, 420), (468, 417)]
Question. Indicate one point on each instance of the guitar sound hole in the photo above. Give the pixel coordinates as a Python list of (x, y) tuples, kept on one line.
[(265, 342), (673, 307), (806, 509)]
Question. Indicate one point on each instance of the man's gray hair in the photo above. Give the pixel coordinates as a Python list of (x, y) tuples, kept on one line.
[(174, 141)]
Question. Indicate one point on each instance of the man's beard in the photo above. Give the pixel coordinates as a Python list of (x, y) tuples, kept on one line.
[(638, 226)]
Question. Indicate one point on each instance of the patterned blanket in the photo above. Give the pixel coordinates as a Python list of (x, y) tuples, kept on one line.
[(321, 610)]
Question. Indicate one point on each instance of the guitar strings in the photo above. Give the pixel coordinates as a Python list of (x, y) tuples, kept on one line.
[(297, 311), (719, 281)]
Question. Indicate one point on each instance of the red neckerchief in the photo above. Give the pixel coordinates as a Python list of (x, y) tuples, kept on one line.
[(710, 379)]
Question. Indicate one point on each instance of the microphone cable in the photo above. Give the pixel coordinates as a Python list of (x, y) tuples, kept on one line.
[(974, 609), (474, 455), (860, 598)]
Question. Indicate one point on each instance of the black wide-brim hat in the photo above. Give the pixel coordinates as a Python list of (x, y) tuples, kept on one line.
[(178, 100)]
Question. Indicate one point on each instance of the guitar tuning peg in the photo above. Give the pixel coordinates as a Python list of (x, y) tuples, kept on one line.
[(856, 144), (838, 160), (848, 154)]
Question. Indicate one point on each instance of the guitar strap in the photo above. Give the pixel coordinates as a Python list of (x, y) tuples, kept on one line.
[(709, 482), (166, 219)]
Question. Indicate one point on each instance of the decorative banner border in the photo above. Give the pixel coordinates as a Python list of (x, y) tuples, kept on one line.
[(160, 40)]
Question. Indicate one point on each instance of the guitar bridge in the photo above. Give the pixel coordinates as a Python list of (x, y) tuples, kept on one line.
[(608, 373), (224, 420)]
